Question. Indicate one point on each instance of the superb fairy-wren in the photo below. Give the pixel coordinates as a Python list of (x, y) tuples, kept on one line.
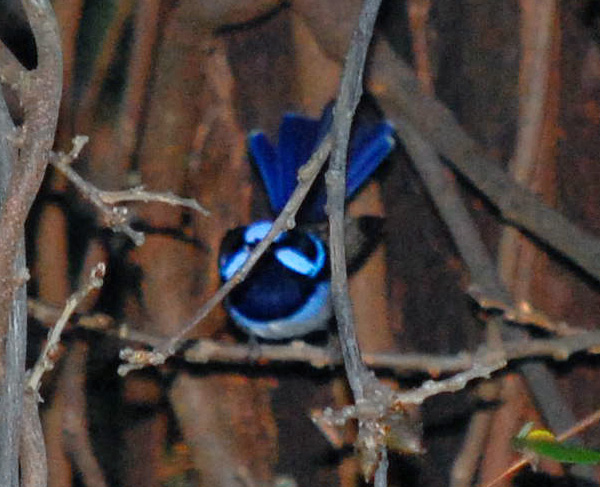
[(287, 293)]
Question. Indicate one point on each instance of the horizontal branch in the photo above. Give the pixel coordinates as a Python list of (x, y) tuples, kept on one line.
[(212, 351)]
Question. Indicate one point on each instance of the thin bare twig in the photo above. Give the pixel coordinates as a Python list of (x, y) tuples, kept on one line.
[(117, 217), (48, 314), (44, 361), (373, 430), (387, 400), (480, 370), (559, 349), (580, 426), (140, 194), (525, 314)]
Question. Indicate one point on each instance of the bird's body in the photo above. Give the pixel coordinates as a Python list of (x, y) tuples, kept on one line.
[(287, 294), (312, 315)]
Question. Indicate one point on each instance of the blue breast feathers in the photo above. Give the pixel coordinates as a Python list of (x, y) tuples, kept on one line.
[(287, 293)]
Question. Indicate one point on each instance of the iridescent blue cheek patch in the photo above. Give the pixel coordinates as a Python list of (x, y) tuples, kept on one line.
[(299, 262), (296, 261), (233, 263)]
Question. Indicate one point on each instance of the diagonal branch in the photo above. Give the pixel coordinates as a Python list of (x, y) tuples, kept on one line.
[(44, 362), (140, 194), (137, 359), (398, 91)]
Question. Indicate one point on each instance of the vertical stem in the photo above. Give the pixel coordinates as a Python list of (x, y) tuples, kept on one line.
[(381, 472), (347, 101), (11, 399), (13, 355), (21, 174)]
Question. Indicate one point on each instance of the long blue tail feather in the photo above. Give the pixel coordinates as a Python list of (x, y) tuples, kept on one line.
[(369, 148), (265, 159), (298, 138)]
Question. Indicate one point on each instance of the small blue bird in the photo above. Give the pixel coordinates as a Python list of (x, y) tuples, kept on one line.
[(287, 294)]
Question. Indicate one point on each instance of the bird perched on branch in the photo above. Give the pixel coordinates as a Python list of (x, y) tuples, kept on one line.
[(287, 293)]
